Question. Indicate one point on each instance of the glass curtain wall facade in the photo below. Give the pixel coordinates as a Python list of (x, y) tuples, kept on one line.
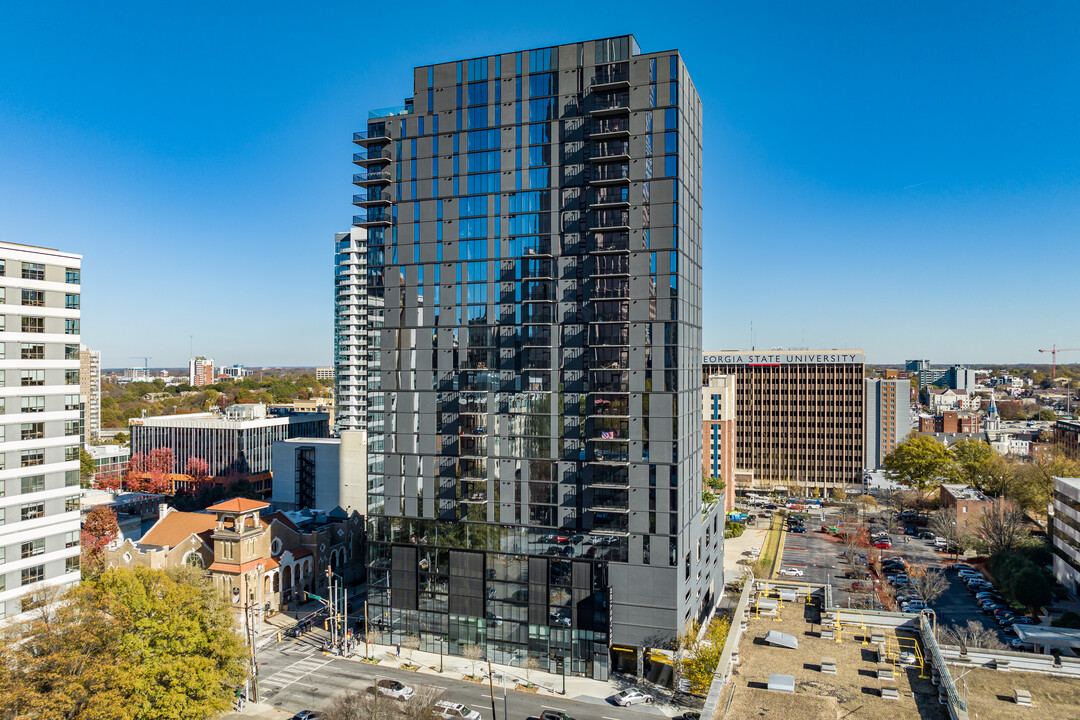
[(534, 243)]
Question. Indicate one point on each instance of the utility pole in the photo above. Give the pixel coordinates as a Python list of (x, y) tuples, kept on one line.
[(491, 688)]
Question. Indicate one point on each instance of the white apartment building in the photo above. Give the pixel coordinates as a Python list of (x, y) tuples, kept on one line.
[(353, 334), (90, 389), (40, 429)]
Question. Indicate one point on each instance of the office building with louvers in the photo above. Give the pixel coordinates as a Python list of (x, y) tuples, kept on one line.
[(534, 236), (798, 417)]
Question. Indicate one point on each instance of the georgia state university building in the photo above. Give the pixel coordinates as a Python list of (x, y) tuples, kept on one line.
[(798, 417)]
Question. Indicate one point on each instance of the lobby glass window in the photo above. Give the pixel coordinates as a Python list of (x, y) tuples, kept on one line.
[(32, 378), (34, 404), (36, 351), (33, 298), (33, 271), (71, 301), (71, 276), (32, 431), (32, 575), (33, 324), (32, 548), (71, 327), (32, 511)]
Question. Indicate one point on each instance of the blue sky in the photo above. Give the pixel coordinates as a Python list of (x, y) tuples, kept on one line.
[(901, 177)]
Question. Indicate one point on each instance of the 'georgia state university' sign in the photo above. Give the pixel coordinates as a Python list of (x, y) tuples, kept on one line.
[(783, 358)]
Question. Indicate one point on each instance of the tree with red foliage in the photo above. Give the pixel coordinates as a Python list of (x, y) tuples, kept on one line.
[(149, 472), (111, 480), (198, 470), (98, 530)]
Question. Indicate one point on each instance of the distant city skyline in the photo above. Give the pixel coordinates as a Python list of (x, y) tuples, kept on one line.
[(901, 179)]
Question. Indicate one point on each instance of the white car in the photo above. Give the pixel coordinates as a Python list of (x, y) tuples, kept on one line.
[(395, 689), (455, 711), (794, 572), (631, 697)]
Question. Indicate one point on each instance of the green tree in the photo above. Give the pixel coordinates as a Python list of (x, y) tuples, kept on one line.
[(87, 468), (130, 644), (919, 462), (699, 658), (1047, 415), (1030, 588)]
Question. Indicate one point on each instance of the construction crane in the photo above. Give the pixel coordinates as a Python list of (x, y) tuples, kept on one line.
[(1054, 350)]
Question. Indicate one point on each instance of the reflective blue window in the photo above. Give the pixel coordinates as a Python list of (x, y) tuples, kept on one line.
[(419, 130), (478, 93), (671, 119), (652, 69), (472, 250), (431, 76), (477, 271), (483, 183), (542, 109), (483, 161), (459, 71), (477, 293), (674, 94), (671, 142), (472, 228), (478, 69), (472, 206), (674, 66), (498, 66), (539, 155), (517, 65), (525, 224), (482, 140), (459, 96), (541, 59), (540, 178), (478, 117), (539, 134), (671, 166), (542, 84)]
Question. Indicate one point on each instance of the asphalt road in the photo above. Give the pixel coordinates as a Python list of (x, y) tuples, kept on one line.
[(296, 675)]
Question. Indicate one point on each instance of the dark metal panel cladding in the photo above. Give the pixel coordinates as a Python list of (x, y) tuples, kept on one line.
[(403, 578), (538, 594), (466, 583)]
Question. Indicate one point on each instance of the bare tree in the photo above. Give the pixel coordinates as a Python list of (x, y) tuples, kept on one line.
[(929, 584), (530, 665), (422, 705), (943, 524), (972, 635), (411, 643), (367, 704), (1002, 527), (472, 653)]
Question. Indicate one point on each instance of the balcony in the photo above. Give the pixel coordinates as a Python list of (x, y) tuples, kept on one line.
[(371, 136), (617, 79), (610, 197), (609, 242), (612, 104), (611, 150), (610, 127), (610, 173), (607, 522), (611, 265), (371, 177), (371, 199), (474, 498), (373, 156), (374, 217), (609, 220)]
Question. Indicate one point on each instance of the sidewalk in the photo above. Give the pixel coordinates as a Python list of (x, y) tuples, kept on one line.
[(734, 549)]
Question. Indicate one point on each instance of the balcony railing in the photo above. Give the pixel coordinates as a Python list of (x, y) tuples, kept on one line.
[(371, 135), (609, 219), (613, 126), (610, 172), (371, 176), (618, 102), (610, 78), (609, 241), (372, 156), (374, 216), (365, 199), (610, 149), (610, 196)]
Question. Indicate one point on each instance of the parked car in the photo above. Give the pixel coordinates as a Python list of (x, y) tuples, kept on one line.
[(1024, 620), (962, 566), (794, 572), (883, 544), (631, 697), (940, 542), (798, 529), (693, 715), (307, 715), (455, 711), (926, 535)]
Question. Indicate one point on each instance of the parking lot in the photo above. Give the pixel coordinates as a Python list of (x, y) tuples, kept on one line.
[(820, 558)]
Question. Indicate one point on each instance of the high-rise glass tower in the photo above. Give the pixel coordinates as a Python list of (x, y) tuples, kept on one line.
[(535, 469)]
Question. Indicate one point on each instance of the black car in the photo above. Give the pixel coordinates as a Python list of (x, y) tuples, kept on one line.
[(771, 507), (693, 715), (798, 529)]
